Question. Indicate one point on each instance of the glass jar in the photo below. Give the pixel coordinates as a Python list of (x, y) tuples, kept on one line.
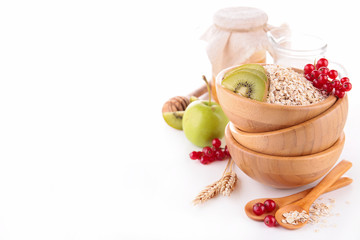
[(237, 36), (294, 49)]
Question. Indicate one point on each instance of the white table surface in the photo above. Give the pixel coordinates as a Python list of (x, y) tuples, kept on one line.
[(84, 151)]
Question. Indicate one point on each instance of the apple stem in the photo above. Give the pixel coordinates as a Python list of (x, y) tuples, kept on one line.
[(208, 87)]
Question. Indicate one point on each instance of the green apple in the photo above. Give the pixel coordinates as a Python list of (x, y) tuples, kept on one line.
[(203, 121)]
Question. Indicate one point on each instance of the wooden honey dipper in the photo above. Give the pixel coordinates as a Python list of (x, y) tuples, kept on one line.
[(180, 103)]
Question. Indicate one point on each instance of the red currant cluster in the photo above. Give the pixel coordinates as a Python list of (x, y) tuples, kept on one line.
[(325, 79), (211, 154), (268, 206)]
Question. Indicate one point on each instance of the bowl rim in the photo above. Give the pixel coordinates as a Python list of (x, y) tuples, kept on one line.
[(283, 130), (339, 143), (221, 74)]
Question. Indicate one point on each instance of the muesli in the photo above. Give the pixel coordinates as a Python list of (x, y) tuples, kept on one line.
[(288, 87)]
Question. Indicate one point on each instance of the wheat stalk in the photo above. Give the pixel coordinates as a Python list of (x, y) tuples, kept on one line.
[(228, 183), (224, 185), (229, 180), (208, 193), (224, 181)]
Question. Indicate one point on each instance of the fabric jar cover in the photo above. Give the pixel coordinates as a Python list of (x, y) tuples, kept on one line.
[(236, 34)]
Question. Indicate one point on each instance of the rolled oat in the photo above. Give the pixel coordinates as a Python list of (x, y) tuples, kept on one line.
[(317, 211), (288, 87), (295, 217)]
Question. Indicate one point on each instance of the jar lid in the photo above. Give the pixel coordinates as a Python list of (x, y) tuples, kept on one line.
[(240, 18)]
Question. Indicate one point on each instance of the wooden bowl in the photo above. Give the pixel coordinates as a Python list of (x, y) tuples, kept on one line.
[(254, 116), (312, 136), (283, 172)]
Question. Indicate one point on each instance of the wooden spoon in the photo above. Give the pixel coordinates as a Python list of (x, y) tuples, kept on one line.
[(283, 201), (306, 202)]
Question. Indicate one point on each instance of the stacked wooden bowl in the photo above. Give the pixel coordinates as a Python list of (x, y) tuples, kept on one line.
[(283, 146)]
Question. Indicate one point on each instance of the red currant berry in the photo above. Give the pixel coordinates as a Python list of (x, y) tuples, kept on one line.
[(333, 74), (226, 151), (309, 68), (323, 79), (308, 77), (324, 86), (315, 74), (346, 86), (214, 150), (259, 208), (270, 205), (322, 62), (339, 93), (317, 84), (344, 79), (270, 221), (328, 87), (207, 151), (205, 159), (194, 155), (226, 154), (220, 155), (336, 84), (324, 70), (216, 142)]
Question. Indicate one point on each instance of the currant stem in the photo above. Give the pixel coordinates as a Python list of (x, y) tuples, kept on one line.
[(208, 87)]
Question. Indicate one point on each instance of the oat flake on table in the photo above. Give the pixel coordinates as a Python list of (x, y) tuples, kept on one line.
[(288, 87)]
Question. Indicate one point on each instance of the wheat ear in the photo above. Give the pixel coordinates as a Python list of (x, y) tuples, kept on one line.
[(228, 181), (208, 193), (224, 185), (211, 190)]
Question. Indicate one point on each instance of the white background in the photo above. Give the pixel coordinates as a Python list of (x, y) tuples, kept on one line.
[(84, 151)]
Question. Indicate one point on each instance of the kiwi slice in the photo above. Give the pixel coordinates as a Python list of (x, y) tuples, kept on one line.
[(254, 66), (193, 98), (246, 84), (248, 66), (254, 71), (174, 119)]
